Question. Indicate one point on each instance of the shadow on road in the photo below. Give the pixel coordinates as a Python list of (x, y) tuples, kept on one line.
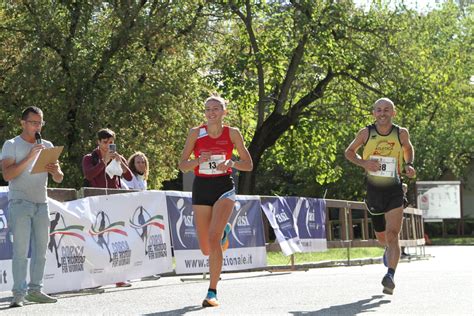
[(255, 276), (347, 309), (180, 311)]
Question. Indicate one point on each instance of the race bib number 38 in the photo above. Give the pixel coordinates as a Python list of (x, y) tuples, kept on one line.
[(388, 166), (210, 167)]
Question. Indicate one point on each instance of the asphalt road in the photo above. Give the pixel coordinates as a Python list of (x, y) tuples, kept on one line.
[(443, 284)]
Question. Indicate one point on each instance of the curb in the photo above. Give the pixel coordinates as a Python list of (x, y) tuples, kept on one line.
[(339, 263)]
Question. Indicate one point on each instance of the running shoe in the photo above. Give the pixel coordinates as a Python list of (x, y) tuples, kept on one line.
[(153, 277), (225, 237), (388, 284), (123, 284), (384, 258), (210, 300), (39, 297)]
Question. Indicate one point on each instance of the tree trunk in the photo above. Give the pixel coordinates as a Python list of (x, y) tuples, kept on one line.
[(265, 136)]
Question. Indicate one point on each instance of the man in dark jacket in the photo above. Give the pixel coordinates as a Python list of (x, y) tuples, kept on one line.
[(95, 163)]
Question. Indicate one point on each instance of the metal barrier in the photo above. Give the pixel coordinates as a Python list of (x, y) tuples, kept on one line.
[(340, 221), (86, 192), (347, 222), (64, 195)]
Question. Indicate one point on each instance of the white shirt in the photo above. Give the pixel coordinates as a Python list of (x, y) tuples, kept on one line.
[(137, 182)]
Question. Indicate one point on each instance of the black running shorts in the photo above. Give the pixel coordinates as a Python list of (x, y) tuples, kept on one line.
[(380, 201), (207, 191)]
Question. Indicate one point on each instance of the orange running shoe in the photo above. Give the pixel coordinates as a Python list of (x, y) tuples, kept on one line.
[(225, 237)]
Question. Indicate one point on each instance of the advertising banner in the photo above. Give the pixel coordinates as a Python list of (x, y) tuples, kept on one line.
[(246, 240), (103, 240), (310, 216), (6, 281), (280, 216)]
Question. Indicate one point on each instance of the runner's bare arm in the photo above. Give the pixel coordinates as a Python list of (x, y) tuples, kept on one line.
[(408, 153), (185, 164), (352, 155)]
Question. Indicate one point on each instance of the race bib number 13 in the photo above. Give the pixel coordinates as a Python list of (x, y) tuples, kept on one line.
[(388, 166), (210, 167)]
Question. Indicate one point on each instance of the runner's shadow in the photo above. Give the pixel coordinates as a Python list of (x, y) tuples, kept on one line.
[(180, 311), (348, 309)]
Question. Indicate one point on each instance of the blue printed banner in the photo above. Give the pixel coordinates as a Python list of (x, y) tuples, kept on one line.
[(310, 217), (181, 215), (246, 220), (280, 216), (246, 240), (5, 241)]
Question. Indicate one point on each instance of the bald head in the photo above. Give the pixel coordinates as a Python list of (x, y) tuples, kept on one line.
[(384, 101)]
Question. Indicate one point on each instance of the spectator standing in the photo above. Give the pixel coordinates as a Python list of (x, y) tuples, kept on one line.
[(95, 163), (28, 216), (138, 165)]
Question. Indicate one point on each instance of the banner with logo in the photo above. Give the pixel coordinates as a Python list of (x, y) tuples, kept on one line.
[(105, 239), (280, 216), (310, 216), (246, 241), (6, 281)]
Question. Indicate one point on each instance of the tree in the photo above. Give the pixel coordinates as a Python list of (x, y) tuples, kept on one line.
[(305, 74), (123, 65), (285, 56)]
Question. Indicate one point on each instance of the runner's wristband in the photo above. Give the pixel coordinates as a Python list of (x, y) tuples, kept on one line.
[(409, 164)]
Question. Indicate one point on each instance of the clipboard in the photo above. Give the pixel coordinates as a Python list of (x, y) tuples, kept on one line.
[(46, 156)]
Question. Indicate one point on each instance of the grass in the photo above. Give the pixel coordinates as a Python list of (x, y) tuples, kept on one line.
[(278, 258), (452, 241)]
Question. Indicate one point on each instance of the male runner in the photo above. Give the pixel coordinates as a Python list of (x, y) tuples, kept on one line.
[(387, 152)]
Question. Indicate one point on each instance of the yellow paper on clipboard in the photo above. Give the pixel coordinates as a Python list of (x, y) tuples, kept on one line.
[(46, 156)]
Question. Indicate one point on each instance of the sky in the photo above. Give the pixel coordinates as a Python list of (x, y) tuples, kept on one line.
[(420, 5)]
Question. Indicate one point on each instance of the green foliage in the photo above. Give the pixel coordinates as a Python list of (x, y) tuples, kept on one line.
[(426, 75), (452, 241), (301, 77), (90, 66)]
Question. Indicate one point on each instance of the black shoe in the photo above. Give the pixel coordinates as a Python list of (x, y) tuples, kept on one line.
[(388, 284)]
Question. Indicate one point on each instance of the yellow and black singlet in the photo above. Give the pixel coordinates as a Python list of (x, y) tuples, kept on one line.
[(387, 149)]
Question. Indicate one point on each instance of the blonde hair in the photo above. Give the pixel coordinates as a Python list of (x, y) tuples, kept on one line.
[(217, 98)]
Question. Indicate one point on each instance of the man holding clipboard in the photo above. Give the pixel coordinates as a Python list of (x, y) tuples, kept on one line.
[(28, 216)]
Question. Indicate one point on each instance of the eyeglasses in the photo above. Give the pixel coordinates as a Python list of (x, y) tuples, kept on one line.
[(37, 123)]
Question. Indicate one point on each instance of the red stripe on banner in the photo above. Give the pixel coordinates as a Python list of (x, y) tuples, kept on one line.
[(159, 225), (108, 230), (118, 231), (69, 234)]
